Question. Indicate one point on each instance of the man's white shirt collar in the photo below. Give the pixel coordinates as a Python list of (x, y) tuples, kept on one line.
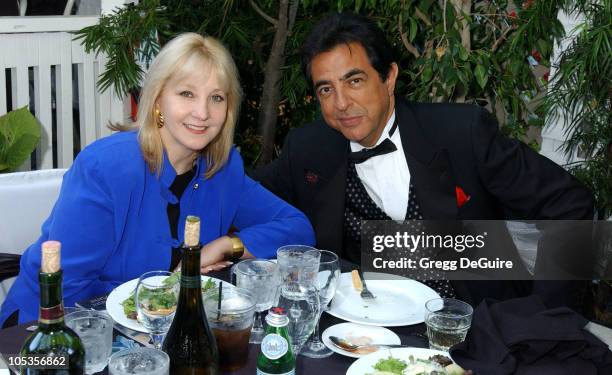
[(386, 178)]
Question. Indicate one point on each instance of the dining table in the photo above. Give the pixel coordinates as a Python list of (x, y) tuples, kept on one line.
[(12, 338)]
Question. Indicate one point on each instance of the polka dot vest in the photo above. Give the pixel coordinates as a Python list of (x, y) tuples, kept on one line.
[(359, 206)]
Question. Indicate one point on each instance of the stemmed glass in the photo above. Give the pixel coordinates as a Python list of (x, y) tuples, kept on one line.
[(298, 295), (156, 299), (326, 283), (261, 277), (301, 302)]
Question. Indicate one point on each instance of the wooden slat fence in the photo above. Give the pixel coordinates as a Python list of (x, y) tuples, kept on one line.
[(43, 68)]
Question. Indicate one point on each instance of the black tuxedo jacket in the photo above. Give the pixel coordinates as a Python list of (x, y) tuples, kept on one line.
[(446, 146)]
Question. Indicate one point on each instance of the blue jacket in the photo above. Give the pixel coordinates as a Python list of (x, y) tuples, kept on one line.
[(112, 221)]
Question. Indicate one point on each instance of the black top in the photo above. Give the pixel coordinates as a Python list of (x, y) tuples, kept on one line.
[(180, 183)]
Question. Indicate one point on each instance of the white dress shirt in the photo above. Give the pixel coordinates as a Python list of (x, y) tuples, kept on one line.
[(386, 177)]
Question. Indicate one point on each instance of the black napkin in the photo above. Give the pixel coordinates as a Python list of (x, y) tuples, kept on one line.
[(520, 336)]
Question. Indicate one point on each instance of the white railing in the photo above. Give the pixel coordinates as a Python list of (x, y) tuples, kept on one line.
[(52, 74)]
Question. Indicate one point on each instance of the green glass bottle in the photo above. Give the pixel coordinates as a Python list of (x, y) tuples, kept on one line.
[(53, 348), (276, 356), (189, 342)]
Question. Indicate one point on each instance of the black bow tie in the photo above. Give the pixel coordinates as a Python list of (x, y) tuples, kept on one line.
[(385, 147)]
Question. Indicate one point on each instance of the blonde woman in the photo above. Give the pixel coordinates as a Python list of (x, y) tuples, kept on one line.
[(123, 203)]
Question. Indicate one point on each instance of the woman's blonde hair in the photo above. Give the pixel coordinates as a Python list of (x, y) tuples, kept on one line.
[(179, 58)]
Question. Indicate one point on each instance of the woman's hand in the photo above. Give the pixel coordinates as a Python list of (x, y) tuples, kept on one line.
[(212, 257)]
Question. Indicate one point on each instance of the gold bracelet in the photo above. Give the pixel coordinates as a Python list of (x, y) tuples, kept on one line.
[(237, 249)]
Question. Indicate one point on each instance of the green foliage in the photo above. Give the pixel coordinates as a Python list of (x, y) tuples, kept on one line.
[(448, 51), (126, 35), (19, 135), (581, 93), (436, 65)]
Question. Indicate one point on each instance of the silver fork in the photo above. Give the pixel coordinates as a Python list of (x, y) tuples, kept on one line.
[(365, 293)]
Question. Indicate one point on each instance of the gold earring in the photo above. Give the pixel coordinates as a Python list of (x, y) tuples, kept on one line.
[(160, 118)]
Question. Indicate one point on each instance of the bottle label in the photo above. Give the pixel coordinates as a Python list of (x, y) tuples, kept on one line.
[(259, 372), (274, 346), (51, 315), (191, 281)]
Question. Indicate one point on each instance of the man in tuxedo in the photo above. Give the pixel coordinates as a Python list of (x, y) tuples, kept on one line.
[(375, 156)]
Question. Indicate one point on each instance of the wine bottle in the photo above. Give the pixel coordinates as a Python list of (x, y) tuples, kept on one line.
[(190, 343), (276, 356), (53, 348)]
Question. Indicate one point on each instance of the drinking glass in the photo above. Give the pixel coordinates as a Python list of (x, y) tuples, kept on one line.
[(230, 321), (448, 321), (298, 263), (156, 299), (301, 302), (261, 278), (326, 283), (95, 329), (299, 267), (139, 361)]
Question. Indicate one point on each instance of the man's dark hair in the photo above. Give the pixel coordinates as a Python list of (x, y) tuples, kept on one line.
[(344, 28)]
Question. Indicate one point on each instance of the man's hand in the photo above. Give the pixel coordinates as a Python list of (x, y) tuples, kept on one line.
[(213, 255)]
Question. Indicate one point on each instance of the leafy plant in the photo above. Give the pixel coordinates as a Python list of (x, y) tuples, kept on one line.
[(19, 135), (581, 93), (129, 35), (491, 53), (449, 50)]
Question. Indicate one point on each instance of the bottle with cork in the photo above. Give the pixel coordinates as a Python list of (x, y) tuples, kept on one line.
[(53, 348), (189, 342)]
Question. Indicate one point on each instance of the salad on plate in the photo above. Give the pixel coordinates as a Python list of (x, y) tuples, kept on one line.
[(434, 365), (160, 301)]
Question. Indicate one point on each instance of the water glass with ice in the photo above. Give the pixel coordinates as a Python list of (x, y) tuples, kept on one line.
[(148, 361), (298, 264), (299, 295), (261, 278), (95, 329)]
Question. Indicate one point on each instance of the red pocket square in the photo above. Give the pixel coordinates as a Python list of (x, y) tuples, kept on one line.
[(462, 198)]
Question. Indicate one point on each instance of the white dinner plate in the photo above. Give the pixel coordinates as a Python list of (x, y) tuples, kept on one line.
[(399, 301), (358, 334), (365, 364), (122, 292)]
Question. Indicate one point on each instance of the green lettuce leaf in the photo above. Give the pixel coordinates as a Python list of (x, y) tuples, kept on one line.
[(393, 365)]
